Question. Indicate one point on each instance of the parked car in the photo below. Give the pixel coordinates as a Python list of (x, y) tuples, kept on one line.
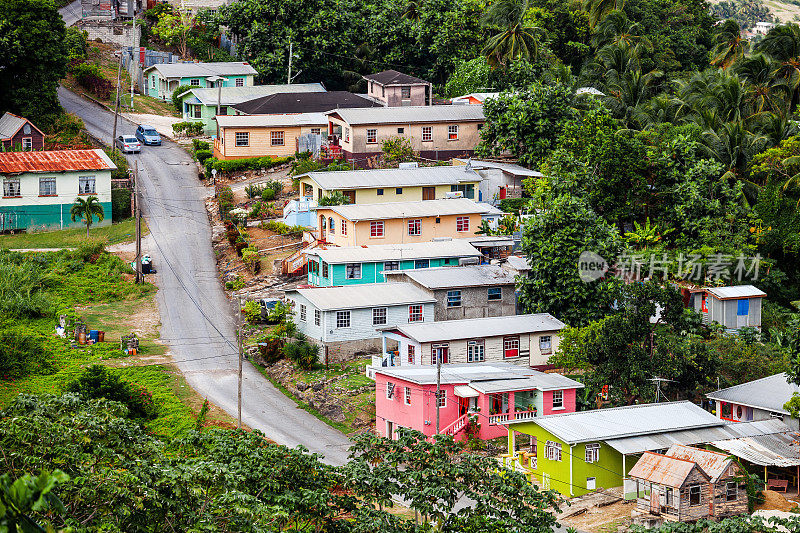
[(148, 135), (129, 144)]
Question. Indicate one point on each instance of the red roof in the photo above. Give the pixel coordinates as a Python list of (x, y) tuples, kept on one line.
[(54, 161)]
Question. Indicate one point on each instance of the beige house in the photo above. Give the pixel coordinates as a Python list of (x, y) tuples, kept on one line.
[(241, 136), (395, 89), (439, 132)]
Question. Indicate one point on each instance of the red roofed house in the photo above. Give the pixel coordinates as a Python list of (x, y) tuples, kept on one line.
[(19, 133), (40, 187)]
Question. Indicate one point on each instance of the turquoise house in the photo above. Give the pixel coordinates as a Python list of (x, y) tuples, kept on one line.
[(357, 265), (163, 78), (201, 104)]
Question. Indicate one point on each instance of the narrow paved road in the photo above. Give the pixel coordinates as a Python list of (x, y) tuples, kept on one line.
[(71, 13), (197, 318)]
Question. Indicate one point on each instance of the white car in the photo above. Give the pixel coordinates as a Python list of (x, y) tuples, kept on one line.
[(129, 144)]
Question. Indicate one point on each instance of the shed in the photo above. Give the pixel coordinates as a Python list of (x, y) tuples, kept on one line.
[(734, 307), (19, 132)]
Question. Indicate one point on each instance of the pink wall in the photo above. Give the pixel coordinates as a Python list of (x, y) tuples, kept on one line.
[(569, 403), (423, 406)]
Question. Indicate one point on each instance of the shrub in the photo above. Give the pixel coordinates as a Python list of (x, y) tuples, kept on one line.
[(120, 204), (268, 195), (197, 145), (75, 41), (304, 353), (276, 226), (121, 172), (190, 128), (97, 381), (248, 163), (275, 185), (253, 190), (235, 284), (22, 353), (202, 155), (271, 350), (22, 287), (252, 311), (397, 150), (178, 102), (90, 78), (512, 205)]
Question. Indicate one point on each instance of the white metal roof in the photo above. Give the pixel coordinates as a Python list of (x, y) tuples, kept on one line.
[(237, 95), (271, 121), (510, 168), (458, 276), (366, 295), (419, 209), (776, 449), (10, 124), (188, 70), (393, 177), (411, 114), (736, 291), (396, 252), (520, 264), (629, 421), (769, 393), (475, 328)]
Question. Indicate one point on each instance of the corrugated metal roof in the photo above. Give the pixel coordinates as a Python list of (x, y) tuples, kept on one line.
[(480, 241), (393, 177), (543, 382), (778, 449), (304, 102), (393, 77), (462, 276), (54, 161), (366, 295), (662, 441), (397, 252), (465, 391), (520, 264), (411, 114), (662, 470), (237, 95), (510, 168), (737, 291), (187, 70), (10, 124), (712, 463), (629, 421), (422, 208), (769, 393), (477, 328), (271, 121)]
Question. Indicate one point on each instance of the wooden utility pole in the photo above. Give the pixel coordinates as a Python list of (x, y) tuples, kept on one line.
[(138, 205), (438, 384), (116, 105), (239, 335), (289, 76)]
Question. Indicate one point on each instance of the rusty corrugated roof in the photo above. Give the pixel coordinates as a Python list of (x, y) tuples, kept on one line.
[(712, 463), (662, 470), (54, 161)]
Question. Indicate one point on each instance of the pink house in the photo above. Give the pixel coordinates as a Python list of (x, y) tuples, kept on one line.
[(495, 393)]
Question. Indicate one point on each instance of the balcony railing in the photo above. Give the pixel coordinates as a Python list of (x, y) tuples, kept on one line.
[(504, 418), (457, 425)]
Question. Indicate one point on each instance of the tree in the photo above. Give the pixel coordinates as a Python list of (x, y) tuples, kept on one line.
[(599, 9), (553, 240), (174, 29), (516, 37), (729, 46), (86, 210), (334, 198), (782, 44), (26, 495), (33, 58)]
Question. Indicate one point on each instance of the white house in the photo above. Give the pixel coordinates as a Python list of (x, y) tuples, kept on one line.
[(40, 187), (762, 399)]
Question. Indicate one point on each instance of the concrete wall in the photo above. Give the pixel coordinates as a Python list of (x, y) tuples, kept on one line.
[(391, 96), (109, 31), (475, 303), (260, 142), (380, 195), (493, 350), (370, 272)]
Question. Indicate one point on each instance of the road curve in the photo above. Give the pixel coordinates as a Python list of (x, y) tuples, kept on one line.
[(197, 319)]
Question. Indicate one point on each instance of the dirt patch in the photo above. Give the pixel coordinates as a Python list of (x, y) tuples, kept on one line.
[(140, 360), (775, 501), (597, 512)]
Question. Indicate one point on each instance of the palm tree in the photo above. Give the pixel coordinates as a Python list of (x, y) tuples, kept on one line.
[(782, 44), (599, 9), (517, 38), (628, 94), (729, 46), (765, 91), (86, 210), (617, 29), (733, 145)]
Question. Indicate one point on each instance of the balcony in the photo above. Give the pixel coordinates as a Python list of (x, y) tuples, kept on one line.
[(504, 418)]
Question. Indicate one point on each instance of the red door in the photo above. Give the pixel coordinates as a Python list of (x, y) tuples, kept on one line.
[(463, 406), (502, 193)]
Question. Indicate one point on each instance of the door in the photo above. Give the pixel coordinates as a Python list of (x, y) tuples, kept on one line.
[(655, 501), (742, 312), (463, 406), (351, 196), (440, 350), (389, 430), (429, 193)]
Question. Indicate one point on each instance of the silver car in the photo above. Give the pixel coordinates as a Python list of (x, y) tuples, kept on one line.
[(148, 135), (129, 144)]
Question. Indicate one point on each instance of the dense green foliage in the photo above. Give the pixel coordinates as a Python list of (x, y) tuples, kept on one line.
[(98, 381)]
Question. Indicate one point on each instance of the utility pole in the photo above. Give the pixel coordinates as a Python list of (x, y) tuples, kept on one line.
[(438, 384), (133, 53), (116, 106), (138, 205), (289, 77), (239, 335)]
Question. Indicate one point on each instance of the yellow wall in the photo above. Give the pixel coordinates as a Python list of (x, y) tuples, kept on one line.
[(260, 142), (370, 196)]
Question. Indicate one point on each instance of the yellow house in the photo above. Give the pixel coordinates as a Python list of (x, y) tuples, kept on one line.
[(393, 184), (241, 136), (399, 222)]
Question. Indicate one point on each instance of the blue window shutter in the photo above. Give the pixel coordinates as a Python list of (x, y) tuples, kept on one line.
[(743, 308)]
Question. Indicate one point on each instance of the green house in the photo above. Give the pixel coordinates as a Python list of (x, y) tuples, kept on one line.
[(579, 452), (163, 78), (356, 265)]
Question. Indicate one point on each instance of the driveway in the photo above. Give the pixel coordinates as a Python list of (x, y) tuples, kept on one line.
[(197, 319)]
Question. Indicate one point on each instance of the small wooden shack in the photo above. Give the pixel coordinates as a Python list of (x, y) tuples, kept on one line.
[(687, 484)]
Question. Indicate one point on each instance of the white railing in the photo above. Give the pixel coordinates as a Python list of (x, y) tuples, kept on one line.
[(520, 462), (504, 418), (456, 426)]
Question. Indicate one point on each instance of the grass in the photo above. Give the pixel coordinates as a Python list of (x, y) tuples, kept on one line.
[(70, 238), (148, 104)]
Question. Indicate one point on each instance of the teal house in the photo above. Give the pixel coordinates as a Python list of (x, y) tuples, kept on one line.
[(163, 78), (201, 104), (39, 188), (356, 265), (579, 452)]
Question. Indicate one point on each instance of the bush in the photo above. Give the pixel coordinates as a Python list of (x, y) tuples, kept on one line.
[(120, 204), (512, 205), (268, 195), (121, 172), (197, 145), (178, 102), (98, 381), (275, 185), (75, 41), (248, 163), (304, 353), (252, 311), (202, 155), (22, 353), (276, 226), (253, 191), (397, 150), (234, 285), (22, 287), (191, 129), (90, 78)]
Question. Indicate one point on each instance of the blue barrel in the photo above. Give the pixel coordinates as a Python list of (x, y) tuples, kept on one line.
[(94, 335)]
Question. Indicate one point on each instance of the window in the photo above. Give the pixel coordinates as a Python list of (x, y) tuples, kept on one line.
[(47, 186), (372, 136), (11, 187), (695, 495), (415, 313), (198, 111), (347, 135), (376, 229), (26, 129), (452, 132), (153, 82), (242, 138), (442, 398), (494, 293), (453, 298), (591, 483), (593, 453), (462, 223), (558, 399), (466, 189), (379, 316), (422, 263), (511, 347), (302, 312), (552, 450), (407, 395), (383, 90), (276, 138), (400, 131), (240, 82), (545, 344), (379, 192), (86, 185), (317, 316), (415, 227), (731, 491), (331, 225), (398, 190), (743, 307), (391, 265), (353, 271), (427, 133), (411, 354), (27, 143), (342, 319), (475, 352), (405, 91), (668, 497), (194, 83), (344, 227), (316, 131), (389, 390), (440, 352), (324, 269)]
